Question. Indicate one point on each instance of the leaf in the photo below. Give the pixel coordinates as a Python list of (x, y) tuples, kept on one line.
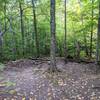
[(2, 84), (60, 82), (12, 92), (8, 84), (23, 98)]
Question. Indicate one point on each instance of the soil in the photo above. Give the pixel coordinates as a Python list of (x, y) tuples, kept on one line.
[(29, 80)]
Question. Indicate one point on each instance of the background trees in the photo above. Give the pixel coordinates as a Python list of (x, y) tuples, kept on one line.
[(25, 25)]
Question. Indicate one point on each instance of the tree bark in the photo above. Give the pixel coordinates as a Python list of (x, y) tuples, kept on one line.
[(0, 48), (5, 27), (53, 67), (65, 41), (22, 26), (13, 39), (78, 50), (1, 33), (91, 38), (98, 38), (35, 29), (85, 40)]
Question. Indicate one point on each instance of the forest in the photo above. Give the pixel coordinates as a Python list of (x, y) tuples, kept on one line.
[(49, 49)]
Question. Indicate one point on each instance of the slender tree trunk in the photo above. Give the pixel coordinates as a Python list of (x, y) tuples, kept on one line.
[(1, 33), (53, 67), (1, 42), (35, 29), (77, 50), (45, 43), (22, 26), (85, 40), (13, 39), (5, 16), (0, 48), (28, 38), (98, 39), (91, 39), (74, 39), (65, 42)]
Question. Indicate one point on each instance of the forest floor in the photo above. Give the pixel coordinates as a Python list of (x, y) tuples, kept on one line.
[(30, 79)]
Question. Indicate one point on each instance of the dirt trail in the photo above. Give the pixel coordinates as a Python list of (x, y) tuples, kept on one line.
[(29, 79)]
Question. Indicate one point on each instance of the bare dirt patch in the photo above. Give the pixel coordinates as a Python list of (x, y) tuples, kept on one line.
[(30, 79)]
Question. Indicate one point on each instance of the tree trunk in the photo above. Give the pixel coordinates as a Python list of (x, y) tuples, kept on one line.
[(53, 67), (35, 29), (65, 42), (28, 49), (5, 17), (1, 33), (85, 40), (0, 48), (77, 50), (98, 39), (22, 26), (91, 38), (1, 42), (13, 39)]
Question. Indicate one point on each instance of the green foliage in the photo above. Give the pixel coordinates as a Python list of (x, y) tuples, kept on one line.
[(12, 39)]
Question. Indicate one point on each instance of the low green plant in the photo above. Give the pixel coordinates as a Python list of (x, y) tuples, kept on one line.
[(2, 66)]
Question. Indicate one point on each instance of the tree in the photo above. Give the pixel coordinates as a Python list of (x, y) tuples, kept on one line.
[(1, 44), (65, 48), (13, 38), (83, 31), (91, 39), (22, 25), (98, 37), (35, 29), (3, 5), (5, 9), (53, 67)]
